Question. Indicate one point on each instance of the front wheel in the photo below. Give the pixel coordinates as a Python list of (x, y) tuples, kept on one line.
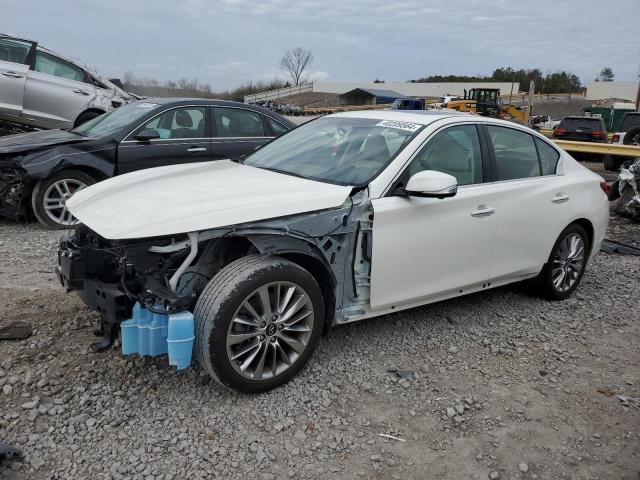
[(258, 322), (50, 195), (563, 271)]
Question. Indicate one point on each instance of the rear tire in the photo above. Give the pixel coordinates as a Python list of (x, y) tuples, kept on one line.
[(258, 322), (562, 273), (632, 137), (49, 197)]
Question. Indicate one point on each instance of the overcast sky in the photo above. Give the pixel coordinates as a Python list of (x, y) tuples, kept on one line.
[(228, 42)]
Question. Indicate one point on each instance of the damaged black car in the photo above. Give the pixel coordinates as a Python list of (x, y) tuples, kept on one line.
[(40, 171)]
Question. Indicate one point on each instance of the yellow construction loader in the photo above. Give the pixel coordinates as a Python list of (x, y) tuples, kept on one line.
[(487, 102)]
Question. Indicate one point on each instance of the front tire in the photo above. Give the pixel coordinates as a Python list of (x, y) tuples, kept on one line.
[(258, 322), (50, 195), (562, 273)]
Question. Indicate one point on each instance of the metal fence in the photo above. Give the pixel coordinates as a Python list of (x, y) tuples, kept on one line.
[(279, 93)]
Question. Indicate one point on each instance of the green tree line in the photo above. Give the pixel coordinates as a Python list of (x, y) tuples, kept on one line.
[(554, 82)]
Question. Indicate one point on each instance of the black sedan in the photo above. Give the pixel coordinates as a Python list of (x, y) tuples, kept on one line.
[(39, 171)]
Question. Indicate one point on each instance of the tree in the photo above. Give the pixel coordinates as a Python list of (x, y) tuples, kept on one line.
[(294, 62), (377, 80), (606, 74)]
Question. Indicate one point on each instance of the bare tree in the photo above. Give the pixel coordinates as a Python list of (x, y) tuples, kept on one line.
[(294, 62)]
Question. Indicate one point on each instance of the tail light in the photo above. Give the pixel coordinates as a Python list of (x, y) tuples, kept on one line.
[(606, 188), (615, 138), (560, 131), (597, 133)]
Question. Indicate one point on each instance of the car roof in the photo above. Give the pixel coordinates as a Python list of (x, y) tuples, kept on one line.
[(421, 117), (13, 37)]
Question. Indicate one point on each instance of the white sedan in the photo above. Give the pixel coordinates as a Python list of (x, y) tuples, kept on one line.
[(347, 217)]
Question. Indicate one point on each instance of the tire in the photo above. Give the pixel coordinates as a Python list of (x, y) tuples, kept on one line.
[(84, 117), (545, 280), (220, 314), (612, 162), (49, 189), (632, 137)]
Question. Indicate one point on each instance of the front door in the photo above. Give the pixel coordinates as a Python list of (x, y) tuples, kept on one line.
[(13, 73), (56, 92), (237, 132), (426, 248), (184, 138)]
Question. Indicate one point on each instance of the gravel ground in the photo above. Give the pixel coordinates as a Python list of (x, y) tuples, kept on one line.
[(495, 385)]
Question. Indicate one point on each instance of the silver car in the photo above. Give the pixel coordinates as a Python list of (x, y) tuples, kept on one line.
[(40, 88)]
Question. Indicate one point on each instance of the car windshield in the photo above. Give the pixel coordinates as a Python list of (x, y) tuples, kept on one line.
[(113, 122), (341, 150)]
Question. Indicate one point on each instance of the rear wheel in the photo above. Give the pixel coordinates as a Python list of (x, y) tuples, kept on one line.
[(258, 322), (632, 137), (49, 197), (563, 271)]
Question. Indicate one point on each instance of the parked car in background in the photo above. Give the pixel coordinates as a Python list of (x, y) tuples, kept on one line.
[(347, 217), (629, 134), (40, 88), (581, 129), (40, 171), (543, 121), (408, 104)]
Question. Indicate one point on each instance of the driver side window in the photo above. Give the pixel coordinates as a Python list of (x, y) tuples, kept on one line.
[(178, 123), (456, 151)]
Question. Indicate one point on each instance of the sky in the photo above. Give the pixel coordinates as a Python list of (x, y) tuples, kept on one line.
[(229, 42)]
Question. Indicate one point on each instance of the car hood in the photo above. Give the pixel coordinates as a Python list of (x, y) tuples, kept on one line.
[(193, 197), (25, 142)]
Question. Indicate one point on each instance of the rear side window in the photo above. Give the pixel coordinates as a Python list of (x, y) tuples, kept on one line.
[(548, 157), (277, 128), (14, 51), (57, 67), (236, 122), (585, 124), (515, 153)]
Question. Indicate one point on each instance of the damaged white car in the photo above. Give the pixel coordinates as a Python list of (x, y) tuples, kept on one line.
[(42, 89), (347, 217)]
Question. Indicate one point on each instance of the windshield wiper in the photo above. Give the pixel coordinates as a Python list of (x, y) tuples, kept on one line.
[(284, 172)]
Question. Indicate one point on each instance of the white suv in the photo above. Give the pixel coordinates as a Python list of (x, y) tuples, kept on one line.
[(42, 89)]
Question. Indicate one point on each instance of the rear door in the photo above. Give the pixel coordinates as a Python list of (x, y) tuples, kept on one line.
[(184, 138), (13, 73), (237, 132), (533, 204), (56, 91)]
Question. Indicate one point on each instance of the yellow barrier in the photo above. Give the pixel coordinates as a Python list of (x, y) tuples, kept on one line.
[(599, 148)]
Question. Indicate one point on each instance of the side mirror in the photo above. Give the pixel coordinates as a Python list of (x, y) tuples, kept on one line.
[(431, 184), (147, 135)]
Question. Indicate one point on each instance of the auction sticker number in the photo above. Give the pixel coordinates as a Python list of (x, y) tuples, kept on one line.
[(409, 127)]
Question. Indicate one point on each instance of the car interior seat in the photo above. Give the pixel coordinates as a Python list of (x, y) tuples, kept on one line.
[(185, 124)]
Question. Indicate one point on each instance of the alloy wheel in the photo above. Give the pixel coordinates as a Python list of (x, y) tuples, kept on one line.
[(270, 330), (567, 262), (55, 200)]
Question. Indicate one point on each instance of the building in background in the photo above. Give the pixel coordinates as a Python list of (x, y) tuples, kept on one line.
[(620, 90)]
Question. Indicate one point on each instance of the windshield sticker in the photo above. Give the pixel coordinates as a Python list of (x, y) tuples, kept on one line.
[(409, 127), (147, 105)]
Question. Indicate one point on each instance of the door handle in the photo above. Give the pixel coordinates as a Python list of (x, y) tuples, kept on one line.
[(196, 149), (81, 92), (483, 211), (12, 74), (560, 198)]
